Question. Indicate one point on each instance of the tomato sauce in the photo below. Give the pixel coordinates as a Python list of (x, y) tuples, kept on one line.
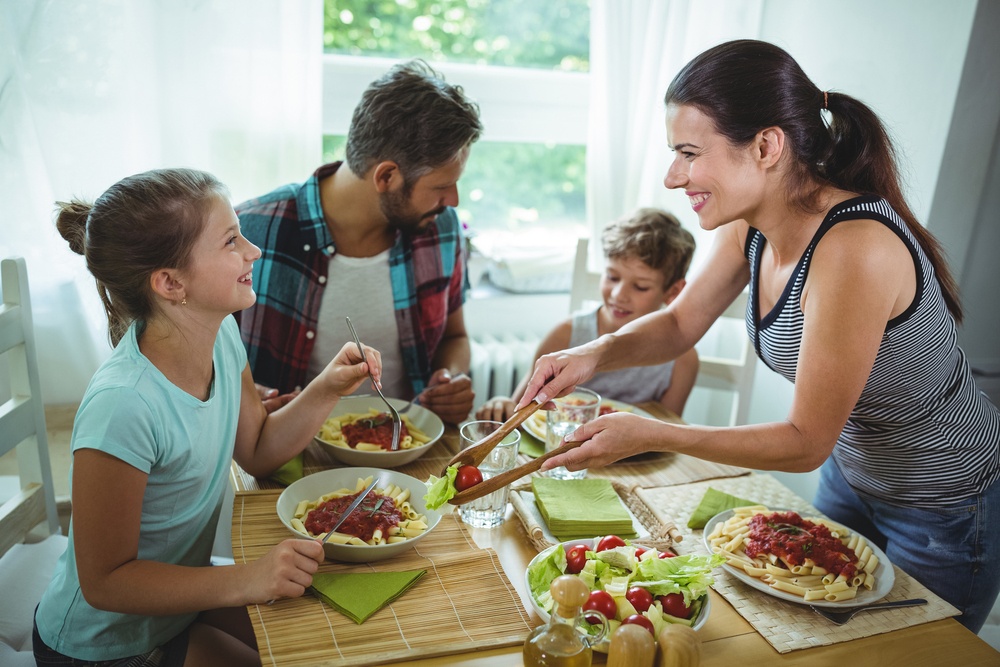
[(375, 511), (789, 536), (376, 429), (606, 409)]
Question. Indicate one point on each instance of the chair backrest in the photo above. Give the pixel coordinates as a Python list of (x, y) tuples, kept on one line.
[(586, 284), (22, 416), (733, 374)]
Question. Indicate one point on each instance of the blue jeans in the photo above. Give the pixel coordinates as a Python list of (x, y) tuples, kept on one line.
[(954, 551)]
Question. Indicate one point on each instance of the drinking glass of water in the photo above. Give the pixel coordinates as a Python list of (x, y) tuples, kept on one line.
[(489, 511), (570, 412)]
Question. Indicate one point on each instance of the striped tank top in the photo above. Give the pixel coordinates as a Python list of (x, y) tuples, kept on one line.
[(921, 434)]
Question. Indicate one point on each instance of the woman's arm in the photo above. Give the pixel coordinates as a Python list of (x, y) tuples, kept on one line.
[(861, 276), (107, 509)]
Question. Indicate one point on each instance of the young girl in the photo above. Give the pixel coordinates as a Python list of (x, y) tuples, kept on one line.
[(647, 256), (156, 432)]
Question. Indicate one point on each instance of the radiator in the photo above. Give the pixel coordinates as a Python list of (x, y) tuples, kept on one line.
[(499, 363)]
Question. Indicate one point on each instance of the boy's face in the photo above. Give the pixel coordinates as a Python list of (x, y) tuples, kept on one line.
[(631, 289)]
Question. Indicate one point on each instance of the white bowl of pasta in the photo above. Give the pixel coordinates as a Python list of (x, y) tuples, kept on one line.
[(366, 418), (389, 521)]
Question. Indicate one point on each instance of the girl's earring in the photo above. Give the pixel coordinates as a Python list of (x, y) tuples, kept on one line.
[(184, 301)]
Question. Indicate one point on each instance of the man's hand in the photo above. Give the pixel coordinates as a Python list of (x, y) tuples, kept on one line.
[(272, 399), (450, 398)]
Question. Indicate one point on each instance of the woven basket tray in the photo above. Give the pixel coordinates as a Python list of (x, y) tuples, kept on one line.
[(787, 626)]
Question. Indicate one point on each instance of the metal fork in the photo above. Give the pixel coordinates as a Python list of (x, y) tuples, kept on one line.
[(841, 617), (396, 421)]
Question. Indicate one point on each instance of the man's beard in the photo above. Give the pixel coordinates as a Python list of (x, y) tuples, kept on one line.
[(395, 206)]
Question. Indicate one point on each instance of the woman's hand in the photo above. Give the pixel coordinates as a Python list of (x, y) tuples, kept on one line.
[(558, 373), (286, 571), (611, 438), (347, 371), (498, 409)]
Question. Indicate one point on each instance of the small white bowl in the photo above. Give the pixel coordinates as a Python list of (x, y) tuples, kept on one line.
[(592, 544), (311, 487), (422, 418)]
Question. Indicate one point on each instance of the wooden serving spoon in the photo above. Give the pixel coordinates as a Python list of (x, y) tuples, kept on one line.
[(474, 454), (488, 486)]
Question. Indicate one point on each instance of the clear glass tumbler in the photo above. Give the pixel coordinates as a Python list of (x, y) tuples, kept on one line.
[(570, 412), (489, 511)]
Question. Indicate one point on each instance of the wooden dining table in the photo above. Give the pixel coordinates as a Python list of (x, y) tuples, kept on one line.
[(726, 638)]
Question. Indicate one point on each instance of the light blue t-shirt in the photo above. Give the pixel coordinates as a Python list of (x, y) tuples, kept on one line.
[(132, 412)]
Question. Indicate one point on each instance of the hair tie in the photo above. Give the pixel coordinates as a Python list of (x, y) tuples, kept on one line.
[(826, 100)]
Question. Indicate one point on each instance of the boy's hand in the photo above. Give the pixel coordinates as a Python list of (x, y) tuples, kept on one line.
[(498, 409), (271, 399)]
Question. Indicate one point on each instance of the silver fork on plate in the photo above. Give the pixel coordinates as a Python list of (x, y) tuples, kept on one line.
[(396, 421)]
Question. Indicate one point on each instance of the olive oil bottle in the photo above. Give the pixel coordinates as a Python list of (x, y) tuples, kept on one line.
[(558, 643)]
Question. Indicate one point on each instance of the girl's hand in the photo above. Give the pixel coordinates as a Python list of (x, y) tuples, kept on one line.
[(347, 371), (286, 571), (498, 409)]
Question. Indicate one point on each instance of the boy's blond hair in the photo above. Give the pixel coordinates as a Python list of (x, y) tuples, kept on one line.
[(653, 236)]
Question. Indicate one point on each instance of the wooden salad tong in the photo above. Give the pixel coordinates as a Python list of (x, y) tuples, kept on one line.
[(488, 486), (474, 454)]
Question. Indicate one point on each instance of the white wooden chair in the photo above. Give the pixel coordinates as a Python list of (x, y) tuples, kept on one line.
[(586, 284), (732, 374), (29, 525)]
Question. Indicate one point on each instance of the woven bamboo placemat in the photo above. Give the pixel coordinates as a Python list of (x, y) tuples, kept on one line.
[(463, 603), (318, 458), (785, 625)]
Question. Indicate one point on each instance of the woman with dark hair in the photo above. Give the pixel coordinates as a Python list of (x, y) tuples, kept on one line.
[(850, 299)]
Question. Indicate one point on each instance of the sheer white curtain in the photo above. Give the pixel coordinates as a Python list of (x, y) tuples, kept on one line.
[(94, 90), (636, 48)]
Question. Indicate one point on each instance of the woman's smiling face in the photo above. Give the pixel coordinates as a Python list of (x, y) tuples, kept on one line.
[(721, 181)]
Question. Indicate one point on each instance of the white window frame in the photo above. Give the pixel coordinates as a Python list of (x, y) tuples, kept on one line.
[(516, 104)]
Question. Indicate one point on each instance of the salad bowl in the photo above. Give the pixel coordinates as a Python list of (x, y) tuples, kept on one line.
[(544, 567)]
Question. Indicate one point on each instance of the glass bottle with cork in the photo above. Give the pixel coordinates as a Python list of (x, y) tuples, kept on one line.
[(558, 643)]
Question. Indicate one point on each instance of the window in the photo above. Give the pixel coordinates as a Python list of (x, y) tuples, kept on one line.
[(525, 63)]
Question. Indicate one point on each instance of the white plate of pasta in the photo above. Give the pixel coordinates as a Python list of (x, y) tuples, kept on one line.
[(390, 520), (536, 424), (789, 541), (357, 420)]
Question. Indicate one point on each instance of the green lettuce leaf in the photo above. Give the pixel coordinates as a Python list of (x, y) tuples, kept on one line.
[(441, 489), (689, 575)]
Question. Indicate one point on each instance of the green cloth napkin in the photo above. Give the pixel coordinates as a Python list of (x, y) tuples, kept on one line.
[(358, 595), (711, 504), (530, 445), (577, 508), (290, 472)]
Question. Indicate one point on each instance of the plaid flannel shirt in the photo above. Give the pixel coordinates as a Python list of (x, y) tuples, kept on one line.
[(427, 271)]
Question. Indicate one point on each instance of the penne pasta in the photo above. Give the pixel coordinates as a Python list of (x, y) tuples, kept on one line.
[(332, 432), (813, 558)]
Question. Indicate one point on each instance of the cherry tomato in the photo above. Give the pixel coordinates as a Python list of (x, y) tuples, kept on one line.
[(639, 598), (468, 476), (600, 601), (576, 558), (667, 554), (639, 619), (638, 552), (673, 604), (610, 542)]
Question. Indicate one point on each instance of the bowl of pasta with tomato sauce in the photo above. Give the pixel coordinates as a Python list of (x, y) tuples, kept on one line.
[(358, 432), (391, 519)]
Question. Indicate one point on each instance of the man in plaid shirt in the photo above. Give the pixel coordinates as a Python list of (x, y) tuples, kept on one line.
[(380, 232)]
